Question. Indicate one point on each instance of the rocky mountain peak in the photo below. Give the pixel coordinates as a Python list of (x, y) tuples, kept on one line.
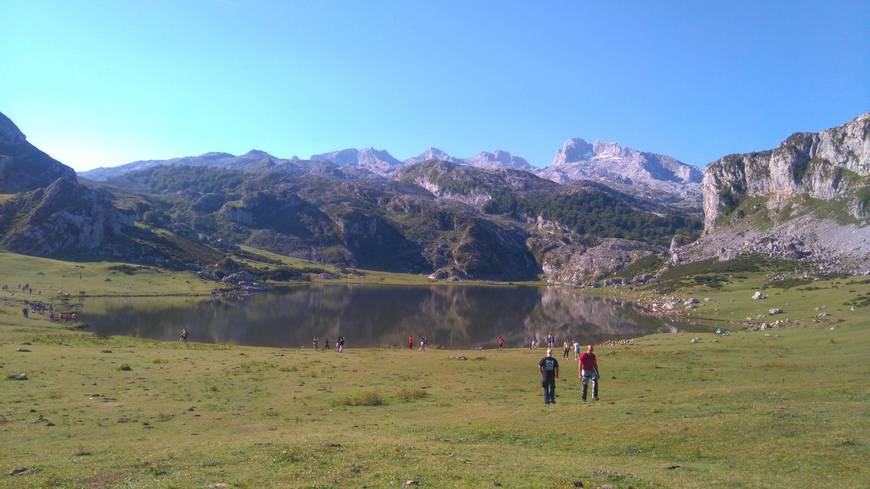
[(574, 149), (23, 167), (432, 154), (499, 159)]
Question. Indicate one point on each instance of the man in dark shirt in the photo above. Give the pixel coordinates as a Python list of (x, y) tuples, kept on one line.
[(588, 370), (549, 368)]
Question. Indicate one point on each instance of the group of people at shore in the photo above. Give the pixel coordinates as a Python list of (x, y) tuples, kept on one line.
[(339, 344)]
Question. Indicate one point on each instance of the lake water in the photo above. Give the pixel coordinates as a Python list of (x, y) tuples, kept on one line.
[(452, 316)]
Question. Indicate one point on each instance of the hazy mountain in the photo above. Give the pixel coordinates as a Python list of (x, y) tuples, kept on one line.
[(23, 167), (499, 159), (250, 161), (650, 175), (376, 161), (432, 154)]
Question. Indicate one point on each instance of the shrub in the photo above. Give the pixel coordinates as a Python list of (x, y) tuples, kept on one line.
[(407, 395), (368, 398)]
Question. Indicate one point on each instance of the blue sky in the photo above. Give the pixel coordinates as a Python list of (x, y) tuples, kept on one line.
[(107, 82)]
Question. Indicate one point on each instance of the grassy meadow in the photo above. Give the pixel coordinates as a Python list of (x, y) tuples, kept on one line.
[(783, 408)]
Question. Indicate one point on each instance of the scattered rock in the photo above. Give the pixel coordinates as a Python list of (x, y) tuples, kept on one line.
[(460, 357), (81, 453), (23, 471), (106, 350), (410, 483), (696, 340), (496, 484), (216, 485), (578, 483), (23, 350), (125, 367), (26, 343), (689, 302), (672, 467), (757, 296), (774, 311), (21, 376)]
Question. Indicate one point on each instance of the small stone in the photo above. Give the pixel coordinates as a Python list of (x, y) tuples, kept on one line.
[(21, 376), (757, 296), (26, 343), (23, 471), (106, 350), (696, 340), (409, 483), (774, 311), (125, 367), (23, 350), (578, 483), (672, 467)]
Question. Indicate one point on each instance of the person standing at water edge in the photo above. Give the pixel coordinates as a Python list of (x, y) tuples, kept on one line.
[(588, 369), (549, 368)]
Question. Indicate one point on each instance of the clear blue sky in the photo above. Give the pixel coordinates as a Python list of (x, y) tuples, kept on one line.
[(106, 82)]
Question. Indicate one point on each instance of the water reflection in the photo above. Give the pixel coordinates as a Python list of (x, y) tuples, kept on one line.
[(452, 316)]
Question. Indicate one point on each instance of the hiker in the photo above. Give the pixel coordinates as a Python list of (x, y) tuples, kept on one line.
[(576, 350), (410, 342), (566, 347), (501, 342), (25, 312), (315, 343), (325, 344), (588, 370), (184, 335), (551, 340), (422, 343), (339, 345), (549, 368)]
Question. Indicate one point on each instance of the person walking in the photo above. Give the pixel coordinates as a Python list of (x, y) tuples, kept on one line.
[(184, 335), (588, 370), (501, 342), (316, 341), (567, 348), (549, 368), (410, 342), (576, 350)]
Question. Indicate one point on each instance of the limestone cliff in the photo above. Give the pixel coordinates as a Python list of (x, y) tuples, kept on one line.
[(833, 164)]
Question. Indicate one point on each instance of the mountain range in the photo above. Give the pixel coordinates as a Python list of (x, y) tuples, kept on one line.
[(596, 209), (650, 175)]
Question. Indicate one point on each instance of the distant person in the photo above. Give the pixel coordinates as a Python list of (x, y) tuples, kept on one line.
[(325, 344), (339, 345), (316, 342), (410, 342), (588, 369), (426, 342), (422, 343), (25, 312), (576, 350), (184, 335), (567, 348), (501, 342), (551, 341), (549, 368)]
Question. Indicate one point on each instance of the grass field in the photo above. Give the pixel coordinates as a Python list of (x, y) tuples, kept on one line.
[(781, 408)]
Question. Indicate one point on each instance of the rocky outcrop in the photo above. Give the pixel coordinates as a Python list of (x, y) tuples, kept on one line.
[(830, 165), (567, 258), (23, 167), (648, 175), (63, 218)]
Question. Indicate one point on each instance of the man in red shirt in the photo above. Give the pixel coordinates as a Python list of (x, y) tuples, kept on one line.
[(588, 370)]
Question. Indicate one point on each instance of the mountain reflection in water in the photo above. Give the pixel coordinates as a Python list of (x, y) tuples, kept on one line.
[(369, 315)]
